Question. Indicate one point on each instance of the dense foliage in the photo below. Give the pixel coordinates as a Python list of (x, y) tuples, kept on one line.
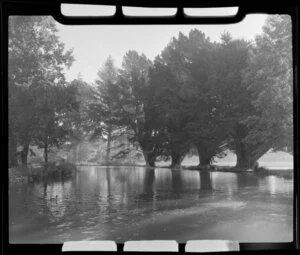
[(196, 95), (39, 100)]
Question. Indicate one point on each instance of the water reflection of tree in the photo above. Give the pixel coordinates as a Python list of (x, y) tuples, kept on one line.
[(149, 182), (205, 180), (46, 205), (247, 180), (50, 203), (148, 189), (108, 180), (176, 182), (109, 196), (45, 185)]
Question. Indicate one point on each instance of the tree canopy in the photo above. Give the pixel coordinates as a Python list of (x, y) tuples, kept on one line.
[(37, 99), (196, 95)]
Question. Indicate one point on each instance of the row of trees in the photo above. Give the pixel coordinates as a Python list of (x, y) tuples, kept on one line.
[(197, 94), (232, 95), (40, 102)]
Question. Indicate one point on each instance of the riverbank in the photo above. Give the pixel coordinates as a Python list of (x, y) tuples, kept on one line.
[(58, 170), (271, 161), (260, 171), (212, 168)]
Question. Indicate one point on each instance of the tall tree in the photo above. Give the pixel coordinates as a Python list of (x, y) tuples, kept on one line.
[(269, 78), (102, 110), (138, 110), (234, 99), (206, 124), (36, 62), (174, 97), (194, 117), (167, 113), (78, 121)]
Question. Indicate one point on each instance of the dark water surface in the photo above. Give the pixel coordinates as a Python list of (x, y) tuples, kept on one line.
[(135, 203)]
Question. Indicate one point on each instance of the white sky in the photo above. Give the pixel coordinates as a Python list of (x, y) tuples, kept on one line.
[(92, 44)]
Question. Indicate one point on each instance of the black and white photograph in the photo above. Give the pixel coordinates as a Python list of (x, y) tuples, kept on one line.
[(150, 132)]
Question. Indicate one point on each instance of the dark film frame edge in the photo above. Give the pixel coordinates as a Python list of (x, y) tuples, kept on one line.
[(48, 7)]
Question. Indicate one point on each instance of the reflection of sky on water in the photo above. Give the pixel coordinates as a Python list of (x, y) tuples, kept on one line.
[(191, 179), (163, 179), (226, 182), (55, 196), (276, 185), (113, 197), (115, 186)]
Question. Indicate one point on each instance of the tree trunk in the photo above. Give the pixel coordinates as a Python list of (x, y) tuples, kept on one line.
[(149, 181), (46, 152), (248, 156), (245, 159), (205, 180), (177, 183), (149, 159), (24, 154), (77, 152), (177, 159), (46, 155), (204, 157), (109, 130), (108, 180), (244, 154)]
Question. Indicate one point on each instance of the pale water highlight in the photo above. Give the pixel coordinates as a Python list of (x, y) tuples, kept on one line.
[(136, 203)]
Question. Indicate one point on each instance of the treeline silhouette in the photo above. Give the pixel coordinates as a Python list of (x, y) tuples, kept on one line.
[(196, 95)]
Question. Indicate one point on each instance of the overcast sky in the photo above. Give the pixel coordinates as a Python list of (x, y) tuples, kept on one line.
[(93, 44)]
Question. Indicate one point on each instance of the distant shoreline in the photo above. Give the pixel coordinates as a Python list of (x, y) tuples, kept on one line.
[(219, 168)]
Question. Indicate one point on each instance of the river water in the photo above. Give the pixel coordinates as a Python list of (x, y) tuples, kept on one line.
[(136, 203)]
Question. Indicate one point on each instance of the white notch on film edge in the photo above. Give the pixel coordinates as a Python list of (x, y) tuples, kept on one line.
[(154, 246), (211, 12), (211, 246), (90, 246), (148, 12), (87, 10)]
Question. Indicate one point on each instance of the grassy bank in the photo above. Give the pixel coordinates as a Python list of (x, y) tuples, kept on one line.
[(260, 171)]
